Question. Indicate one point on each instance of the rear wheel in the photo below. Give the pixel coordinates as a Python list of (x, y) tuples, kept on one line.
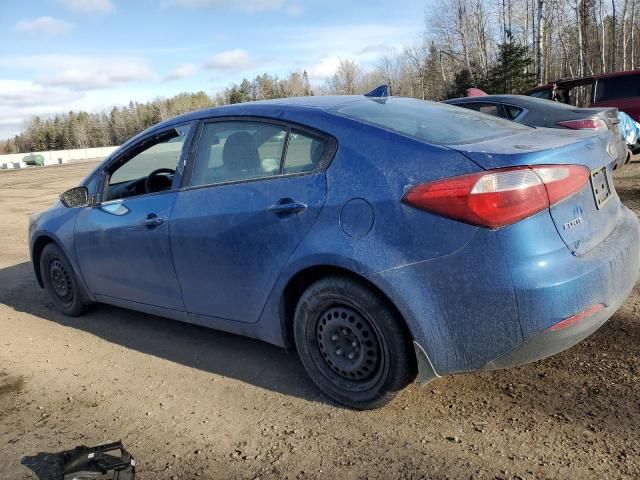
[(60, 281), (352, 343)]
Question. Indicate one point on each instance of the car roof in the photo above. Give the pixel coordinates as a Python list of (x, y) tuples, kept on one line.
[(300, 103), (575, 82), (262, 108)]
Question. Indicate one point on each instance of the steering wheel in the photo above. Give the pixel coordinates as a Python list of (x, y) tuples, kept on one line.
[(150, 178)]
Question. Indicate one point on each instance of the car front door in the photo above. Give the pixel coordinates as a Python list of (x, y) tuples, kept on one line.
[(255, 190), (122, 243)]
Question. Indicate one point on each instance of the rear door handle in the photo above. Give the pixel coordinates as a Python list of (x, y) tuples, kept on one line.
[(287, 206), (153, 221)]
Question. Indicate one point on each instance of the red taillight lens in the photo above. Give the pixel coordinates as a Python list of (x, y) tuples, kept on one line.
[(585, 124), (497, 198)]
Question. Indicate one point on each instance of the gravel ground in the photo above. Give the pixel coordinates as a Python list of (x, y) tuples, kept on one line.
[(195, 403)]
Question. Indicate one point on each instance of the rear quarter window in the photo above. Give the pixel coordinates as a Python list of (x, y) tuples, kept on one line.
[(430, 122)]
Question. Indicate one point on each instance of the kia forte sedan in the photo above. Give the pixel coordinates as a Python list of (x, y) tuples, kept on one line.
[(382, 238)]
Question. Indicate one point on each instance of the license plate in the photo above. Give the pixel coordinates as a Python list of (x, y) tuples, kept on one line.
[(600, 186)]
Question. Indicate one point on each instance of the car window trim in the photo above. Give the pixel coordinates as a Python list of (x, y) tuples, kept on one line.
[(331, 147), (180, 166)]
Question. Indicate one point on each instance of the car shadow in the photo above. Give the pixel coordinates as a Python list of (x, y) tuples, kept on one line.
[(45, 466), (245, 359)]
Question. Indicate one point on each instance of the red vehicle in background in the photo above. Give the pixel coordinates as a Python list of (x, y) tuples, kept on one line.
[(619, 89)]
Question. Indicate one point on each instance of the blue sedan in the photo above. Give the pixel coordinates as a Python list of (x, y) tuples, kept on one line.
[(382, 238)]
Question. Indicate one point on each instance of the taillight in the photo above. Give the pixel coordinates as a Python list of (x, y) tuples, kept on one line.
[(496, 198), (585, 124)]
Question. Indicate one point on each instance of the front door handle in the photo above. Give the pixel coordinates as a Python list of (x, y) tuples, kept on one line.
[(153, 220), (287, 206)]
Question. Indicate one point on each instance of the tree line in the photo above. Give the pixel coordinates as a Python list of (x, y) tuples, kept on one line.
[(500, 46)]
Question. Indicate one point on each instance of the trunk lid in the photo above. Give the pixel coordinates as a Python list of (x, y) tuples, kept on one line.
[(584, 219), (609, 115)]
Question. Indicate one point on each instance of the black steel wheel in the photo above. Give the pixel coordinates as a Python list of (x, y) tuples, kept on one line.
[(352, 343), (60, 281)]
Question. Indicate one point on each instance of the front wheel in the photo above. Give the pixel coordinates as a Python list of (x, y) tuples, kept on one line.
[(352, 343), (60, 281)]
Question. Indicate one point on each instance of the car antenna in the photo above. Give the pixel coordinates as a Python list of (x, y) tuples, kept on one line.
[(379, 94)]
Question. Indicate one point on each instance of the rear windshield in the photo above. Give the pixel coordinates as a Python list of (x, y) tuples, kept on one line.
[(618, 87), (430, 122)]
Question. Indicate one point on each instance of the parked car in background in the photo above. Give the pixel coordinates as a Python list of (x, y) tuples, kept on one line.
[(34, 159), (618, 89), (395, 237), (544, 113)]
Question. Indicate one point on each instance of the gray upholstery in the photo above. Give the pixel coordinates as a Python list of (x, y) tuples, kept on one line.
[(240, 154)]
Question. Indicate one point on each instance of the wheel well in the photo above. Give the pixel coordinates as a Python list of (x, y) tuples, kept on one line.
[(301, 280), (41, 242)]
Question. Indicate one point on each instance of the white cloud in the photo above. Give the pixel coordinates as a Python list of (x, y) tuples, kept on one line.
[(182, 71), (80, 72), (377, 49), (43, 26), (245, 5), (24, 93), (88, 6), (22, 99), (324, 69), (231, 60)]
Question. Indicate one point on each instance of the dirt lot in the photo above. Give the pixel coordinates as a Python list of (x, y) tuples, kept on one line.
[(195, 403)]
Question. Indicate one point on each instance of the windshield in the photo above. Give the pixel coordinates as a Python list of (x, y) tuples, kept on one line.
[(430, 122)]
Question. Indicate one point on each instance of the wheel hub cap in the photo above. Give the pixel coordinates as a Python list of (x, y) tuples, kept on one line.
[(348, 343), (61, 281)]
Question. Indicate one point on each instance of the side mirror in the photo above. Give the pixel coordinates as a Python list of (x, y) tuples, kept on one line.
[(76, 197)]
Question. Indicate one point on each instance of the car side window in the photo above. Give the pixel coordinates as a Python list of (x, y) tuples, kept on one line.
[(304, 152), (512, 112), (615, 88), (483, 107), (236, 150), (129, 176)]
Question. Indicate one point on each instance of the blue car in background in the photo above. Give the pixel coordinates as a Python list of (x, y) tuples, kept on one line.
[(382, 238)]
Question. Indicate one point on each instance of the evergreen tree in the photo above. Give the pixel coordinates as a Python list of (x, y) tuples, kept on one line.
[(509, 74)]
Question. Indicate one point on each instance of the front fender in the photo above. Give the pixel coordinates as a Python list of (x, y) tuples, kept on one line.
[(55, 225)]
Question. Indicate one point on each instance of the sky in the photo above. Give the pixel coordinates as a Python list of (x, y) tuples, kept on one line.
[(62, 55)]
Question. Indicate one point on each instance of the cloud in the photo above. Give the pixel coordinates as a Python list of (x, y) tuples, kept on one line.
[(43, 26), (246, 5), (377, 49), (324, 69), (182, 71), (88, 6), (231, 61), (80, 72), (22, 99), (25, 93)]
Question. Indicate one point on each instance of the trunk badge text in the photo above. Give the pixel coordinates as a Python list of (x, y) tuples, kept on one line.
[(573, 223)]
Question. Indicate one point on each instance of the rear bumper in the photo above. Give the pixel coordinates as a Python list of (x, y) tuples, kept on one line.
[(491, 304), (550, 342)]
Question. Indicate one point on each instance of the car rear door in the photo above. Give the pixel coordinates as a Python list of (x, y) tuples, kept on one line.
[(255, 189)]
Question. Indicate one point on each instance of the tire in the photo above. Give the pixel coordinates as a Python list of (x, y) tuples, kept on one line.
[(61, 282), (352, 343)]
